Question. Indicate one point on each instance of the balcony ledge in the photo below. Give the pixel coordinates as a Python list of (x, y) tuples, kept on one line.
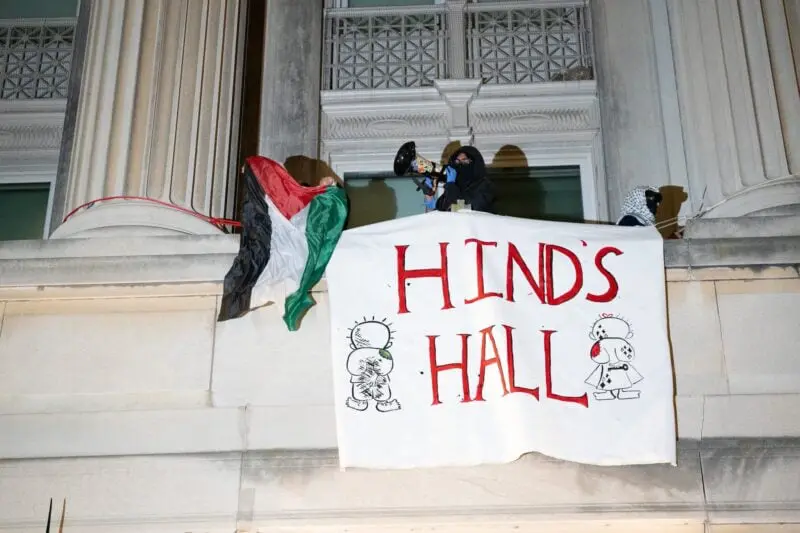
[(35, 269), (716, 482)]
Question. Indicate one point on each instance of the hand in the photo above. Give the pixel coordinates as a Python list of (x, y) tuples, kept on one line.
[(450, 172), (430, 202), (327, 181)]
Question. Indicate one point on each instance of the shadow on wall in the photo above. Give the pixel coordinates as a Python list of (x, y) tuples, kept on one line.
[(309, 171), (667, 214), (449, 150), (372, 200), (515, 197)]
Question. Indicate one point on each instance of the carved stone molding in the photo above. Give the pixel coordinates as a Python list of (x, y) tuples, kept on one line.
[(539, 108), (24, 137), (384, 125), (30, 128), (535, 120), (458, 94)]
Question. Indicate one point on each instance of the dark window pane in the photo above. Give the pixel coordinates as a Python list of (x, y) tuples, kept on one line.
[(23, 210), (12, 9), (386, 3), (543, 193), (377, 197)]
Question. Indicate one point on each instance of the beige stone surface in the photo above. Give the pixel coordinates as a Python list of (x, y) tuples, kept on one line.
[(106, 346), (752, 415), (119, 361), (146, 494), (754, 528), (696, 338), (312, 486), (257, 360), (690, 412), (304, 491), (760, 323)]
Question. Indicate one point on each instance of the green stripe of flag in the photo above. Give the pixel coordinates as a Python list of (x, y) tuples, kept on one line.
[(327, 213)]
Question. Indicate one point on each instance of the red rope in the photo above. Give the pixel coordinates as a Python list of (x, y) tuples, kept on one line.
[(219, 222)]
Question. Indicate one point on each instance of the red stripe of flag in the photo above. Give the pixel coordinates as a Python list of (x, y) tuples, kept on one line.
[(288, 196)]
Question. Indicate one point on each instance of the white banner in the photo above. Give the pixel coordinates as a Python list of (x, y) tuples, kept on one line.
[(468, 338)]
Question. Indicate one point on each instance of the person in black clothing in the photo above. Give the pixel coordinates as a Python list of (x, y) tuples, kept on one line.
[(466, 180)]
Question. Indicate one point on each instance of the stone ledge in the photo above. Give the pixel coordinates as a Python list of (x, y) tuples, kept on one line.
[(715, 482), (183, 428), (165, 431), (206, 259), (732, 252), (743, 227), (128, 262)]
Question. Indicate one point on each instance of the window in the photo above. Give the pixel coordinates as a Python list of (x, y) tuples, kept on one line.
[(36, 41), (385, 3), (543, 193), (18, 9), (387, 44), (24, 210), (380, 196)]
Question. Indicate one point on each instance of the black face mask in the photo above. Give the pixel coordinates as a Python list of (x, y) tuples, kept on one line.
[(471, 171), (653, 199), (465, 173)]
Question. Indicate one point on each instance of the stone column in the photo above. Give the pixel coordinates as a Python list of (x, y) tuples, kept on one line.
[(156, 117), (781, 21), (740, 106), (642, 142), (290, 101)]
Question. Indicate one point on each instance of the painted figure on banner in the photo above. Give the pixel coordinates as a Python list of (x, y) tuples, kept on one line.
[(369, 365), (612, 353)]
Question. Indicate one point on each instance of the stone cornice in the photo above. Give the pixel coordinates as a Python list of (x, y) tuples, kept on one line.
[(736, 252), (173, 265), (492, 110), (29, 129)]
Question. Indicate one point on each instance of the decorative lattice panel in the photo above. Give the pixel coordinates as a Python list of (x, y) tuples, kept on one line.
[(35, 58), (384, 50), (529, 45)]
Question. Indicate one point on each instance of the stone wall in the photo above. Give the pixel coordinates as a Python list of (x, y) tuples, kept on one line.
[(119, 391)]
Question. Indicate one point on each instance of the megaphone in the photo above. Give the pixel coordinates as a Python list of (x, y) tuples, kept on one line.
[(407, 161)]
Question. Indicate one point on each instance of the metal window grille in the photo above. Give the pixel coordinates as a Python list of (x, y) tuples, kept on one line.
[(528, 44), (386, 48), (517, 41), (35, 58)]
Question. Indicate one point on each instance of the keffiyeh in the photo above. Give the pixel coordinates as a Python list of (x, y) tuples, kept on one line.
[(635, 205)]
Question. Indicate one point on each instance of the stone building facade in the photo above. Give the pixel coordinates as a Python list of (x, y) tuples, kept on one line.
[(120, 393)]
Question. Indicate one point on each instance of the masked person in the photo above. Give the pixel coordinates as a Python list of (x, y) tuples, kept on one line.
[(640, 207), (466, 180)]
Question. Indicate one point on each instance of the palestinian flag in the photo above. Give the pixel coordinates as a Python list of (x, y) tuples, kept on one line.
[(288, 235)]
